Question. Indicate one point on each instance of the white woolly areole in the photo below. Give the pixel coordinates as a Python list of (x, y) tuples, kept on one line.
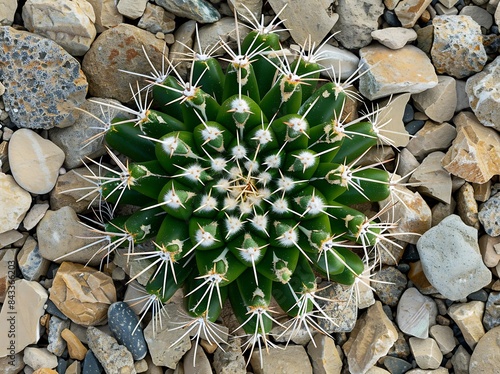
[(280, 206), (208, 203), (239, 106), (246, 207), (252, 166), (238, 152), (189, 91), (264, 178), (286, 183), (230, 203), (289, 238), (222, 185), (172, 200), (218, 164), (250, 254), (233, 224), (297, 124), (204, 238), (260, 222), (263, 136), (193, 172), (307, 159), (210, 133), (315, 205), (273, 161), (170, 144)]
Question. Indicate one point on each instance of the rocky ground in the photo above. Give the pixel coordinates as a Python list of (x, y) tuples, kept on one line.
[(435, 303)]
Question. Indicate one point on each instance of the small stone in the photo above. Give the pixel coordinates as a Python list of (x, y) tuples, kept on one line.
[(184, 40), (343, 62), (69, 23), (394, 37), (457, 49), (478, 14), (14, 201), (462, 97), (468, 318), (57, 344), (38, 358), (460, 360), (106, 14), (34, 215), (114, 358), (481, 89), (426, 353), (409, 11), (475, 152), (132, 9), (451, 260), (91, 365), (442, 10), (283, 334), (196, 361), (486, 358), (467, 206), (292, 360), (430, 138), (389, 283), (7, 270), (490, 250), (82, 293), (395, 364), (482, 191), (34, 161), (30, 261), (489, 217), (343, 312), (155, 19), (371, 338), (210, 36), (230, 360), (363, 14), (443, 335), (324, 355), (12, 364), (388, 71), (61, 85), (391, 115), (30, 298), (439, 102), (76, 349), (491, 317), (431, 179), (10, 237), (75, 368), (124, 324), (7, 11), (199, 10), (416, 313)]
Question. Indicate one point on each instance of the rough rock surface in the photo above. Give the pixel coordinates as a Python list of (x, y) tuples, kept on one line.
[(486, 357), (199, 10), (15, 202)]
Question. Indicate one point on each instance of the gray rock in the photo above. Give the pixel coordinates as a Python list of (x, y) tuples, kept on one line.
[(485, 358), (389, 283), (343, 62), (124, 325), (451, 260), (230, 360), (57, 344), (14, 201), (394, 37), (324, 355), (491, 317), (12, 365), (199, 10), (438, 103), (430, 138), (38, 358), (155, 19), (341, 311), (114, 358), (489, 215), (478, 14), (30, 261), (60, 83), (416, 313)]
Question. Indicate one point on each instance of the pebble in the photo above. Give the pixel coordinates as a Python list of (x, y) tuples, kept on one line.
[(389, 283), (392, 116), (439, 102), (69, 24), (15, 202), (451, 260), (343, 312), (467, 206), (7, 262), (342, 62), (34, 161), (394, 37), (199, 10), (74, 368), (491, 317), (457, 49), (490, 250), (57, 344), (106, 14), (426, 353), (395, 365), (31, 263), (460, 360), (481, 89), (34, 215), (7, 12), (12, 365), (114, 358), (443, 335), (196, 362), (489, 217), (431, 179), (430, 138), (30, 298), (388, 71), (91, 365), (156, 19), (478, 14), (132, 9), (416, 313), (468, 317), (409, 11), (211, 35), (486, 356), (82, 293), (76, 349), (475, 152), (118, 48), (293, 360), (38, 358), (324, 355), (124, 324), (230, 360), (61, 85)]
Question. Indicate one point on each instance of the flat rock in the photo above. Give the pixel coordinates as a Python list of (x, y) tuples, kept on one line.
[(34, 161), (82, 293), (390, 117), (199, 10), (343, 62), (132, 9), (431, 179), (489, 215), (457, 49), (31, 263), (478, 14), (444, 337), (196, 361), (230, 360), (372, 337), (416, 313), (247, 9), (426, 353), (394, 71), (482, 91), (389, 283), (324, 355), (106, 14), (363, 14), (438, 103), (156, 19), (7, 269), (69, 23), (451, 260), (15, 202), (12, 364), (7, 12), (486, 356), (460, 360), (61, 84), (394, 37), (29, 298), (475, 152), (342, 312), (76, 349), (468, 317), (34, 215), (292, 360), (124, 324), (409, 11), (120, 48), (38, 358)]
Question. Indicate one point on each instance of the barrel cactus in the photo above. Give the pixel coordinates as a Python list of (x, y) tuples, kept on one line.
[(245, 180)]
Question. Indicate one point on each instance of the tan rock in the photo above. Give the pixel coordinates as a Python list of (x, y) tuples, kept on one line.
[(15, 202), (34, 215), (324, 355), (394, 37), (430, 138), (292, 360), (461, 360), (468, 317), (76, 349), (156, 19), (132, 9), (45, 371), (486, 356), (467, 206), (371, 338), (439, 102), (106, 14), (482, 191), (426, 353), (9, 237), (444, 337), (82, 293), (441, 210), (391, 119), (74, 368), (490, 250), (418, 278), (392, 71), (7, 270), (475, 152), (431, 179), (409, 11)]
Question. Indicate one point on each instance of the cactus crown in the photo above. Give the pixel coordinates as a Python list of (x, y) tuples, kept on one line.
[(245, 179)]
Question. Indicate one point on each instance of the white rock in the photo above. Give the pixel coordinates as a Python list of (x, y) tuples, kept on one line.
[(7, 11), (14, 201), (416, 313), (38, 358), (132, 9), (29, 299), (451, 260), (69, 23), (343, 62), (426, 353), (439, 102), (394, 37), (34, 161)]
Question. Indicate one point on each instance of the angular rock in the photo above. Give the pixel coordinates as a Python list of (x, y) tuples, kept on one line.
[(430, 138), (394, 37), (391, 116), (29, 299), (491, 317), (343, 62), (292, 360), (457, 49), (199, 10), (30, 261), (210, 36), (489, 215), (431, 179), (324, 355), (389, 283), (393, 71), (443, 335), (7, 270), (132, 9), (409, 11), (486, 356), (106, 14), (34, 215), (57, 344), (155, 19), (120, 48), (246, 9), (467, 206), (76, 349), (38, 358), (125, 326), (14, 201), (416, 313), (451, 260), (341, 311), (69, 23), (230, 360), (460, 360), (196, 362), (468, 317), (12, 364), (7, 11), (372, 337), (426, 353), (490, 250), (363, 14), (481, 89), (114, 358), (82, 293), (439, 102), (475, 152), (10, 237), (61, 85)]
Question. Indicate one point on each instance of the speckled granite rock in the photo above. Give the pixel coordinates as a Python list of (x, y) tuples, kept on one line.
[(60, 83), (199, 10)]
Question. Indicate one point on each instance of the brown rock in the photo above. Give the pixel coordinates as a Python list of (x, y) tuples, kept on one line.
[(467, 206), (431, 179), (430, 138), (409, 11), (106, 14), (45, 371), (82, 293), (76, 349), (439, 102), (475, 152), (468, 317), (486, 356)]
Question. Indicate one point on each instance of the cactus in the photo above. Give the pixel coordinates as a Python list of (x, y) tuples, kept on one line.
[(245, 180)]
